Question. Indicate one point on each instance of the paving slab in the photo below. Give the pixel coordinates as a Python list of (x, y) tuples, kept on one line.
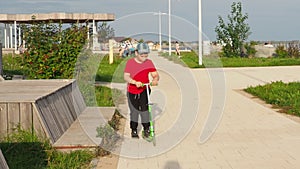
[(240, 132)]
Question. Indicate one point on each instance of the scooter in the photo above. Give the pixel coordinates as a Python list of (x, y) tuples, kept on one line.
[(151, 137)]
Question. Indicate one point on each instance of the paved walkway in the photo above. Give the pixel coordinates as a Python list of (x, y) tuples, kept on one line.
[(203, 120)]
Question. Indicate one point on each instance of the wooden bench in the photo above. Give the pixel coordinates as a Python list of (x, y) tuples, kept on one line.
[(3, 164), (47, 107)]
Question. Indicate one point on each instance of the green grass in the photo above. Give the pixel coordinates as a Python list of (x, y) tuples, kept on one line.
[(95, 67), (108, 97), (285, 96), (190, 59), (12, 65), (259, 62), (24, 150), (111, 72)]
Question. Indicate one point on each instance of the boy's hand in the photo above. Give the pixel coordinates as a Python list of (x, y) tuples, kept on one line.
[(154, 83), (138, 84)]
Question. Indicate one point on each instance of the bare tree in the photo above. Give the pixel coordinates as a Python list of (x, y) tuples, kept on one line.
[(105, 32)]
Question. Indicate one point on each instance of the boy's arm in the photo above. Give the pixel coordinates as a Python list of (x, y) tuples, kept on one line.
[(128, 79), (155, 77)]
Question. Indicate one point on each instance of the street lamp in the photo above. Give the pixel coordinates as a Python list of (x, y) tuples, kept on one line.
[(169, 27), (200, 32), (159, 27)]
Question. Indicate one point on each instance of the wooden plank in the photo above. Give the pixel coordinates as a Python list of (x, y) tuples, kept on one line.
[(79, 101), (51, 120), (56, 114), (67, 95), (71, 101), (3, 164), (38, 125), (3, 119), (13, 115), (64, 115), (26, 116), (70, 95), (77, 98), (63, 105), (47, 119)]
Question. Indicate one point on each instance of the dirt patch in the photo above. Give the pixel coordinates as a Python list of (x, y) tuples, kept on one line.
[(108, 162), (111, 160)]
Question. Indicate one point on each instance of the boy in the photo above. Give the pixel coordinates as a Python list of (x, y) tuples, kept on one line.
[(136, 74)]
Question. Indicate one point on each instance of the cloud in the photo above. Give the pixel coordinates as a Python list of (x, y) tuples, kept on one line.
[(40, 1), (260, 12)]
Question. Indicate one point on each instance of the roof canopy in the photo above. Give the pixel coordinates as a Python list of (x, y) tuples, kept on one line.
[(56, 17)]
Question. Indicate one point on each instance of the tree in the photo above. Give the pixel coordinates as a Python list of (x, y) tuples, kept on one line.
[(105, 32), (233, 34)]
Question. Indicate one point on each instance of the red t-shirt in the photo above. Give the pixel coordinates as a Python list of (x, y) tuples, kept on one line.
[(138, 72)]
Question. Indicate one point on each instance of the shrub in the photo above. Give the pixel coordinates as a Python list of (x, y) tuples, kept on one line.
[(52, 52), (293, 50), (281, 52), (250, 50)]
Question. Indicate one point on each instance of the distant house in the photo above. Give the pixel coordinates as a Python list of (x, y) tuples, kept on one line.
[(118, 41), (151, 44)]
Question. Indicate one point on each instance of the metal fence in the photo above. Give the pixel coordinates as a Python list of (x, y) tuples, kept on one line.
[(285, 44)]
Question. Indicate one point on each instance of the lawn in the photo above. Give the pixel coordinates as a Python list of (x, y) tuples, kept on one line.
[(23, 150), (111, 72), (190, 59), (285, 96), (11, 65)]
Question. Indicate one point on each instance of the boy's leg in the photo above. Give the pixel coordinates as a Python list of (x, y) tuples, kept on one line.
[(134, 113), (144, 111)]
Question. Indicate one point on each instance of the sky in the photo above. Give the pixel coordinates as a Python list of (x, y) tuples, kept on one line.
[(269, 20)]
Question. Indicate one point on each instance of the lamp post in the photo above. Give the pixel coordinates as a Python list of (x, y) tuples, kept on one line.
[(159, 27), (200, 32), (169, 27)]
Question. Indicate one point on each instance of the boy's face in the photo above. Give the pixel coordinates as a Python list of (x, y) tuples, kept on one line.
[(142, 57)]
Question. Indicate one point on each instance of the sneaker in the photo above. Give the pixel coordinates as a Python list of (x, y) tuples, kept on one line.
[(146, 133), (134, 134)]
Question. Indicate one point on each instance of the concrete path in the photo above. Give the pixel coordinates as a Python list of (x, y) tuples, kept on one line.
[(204, 120)]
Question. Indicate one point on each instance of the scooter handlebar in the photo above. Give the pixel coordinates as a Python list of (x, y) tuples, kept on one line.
[(147, 84)]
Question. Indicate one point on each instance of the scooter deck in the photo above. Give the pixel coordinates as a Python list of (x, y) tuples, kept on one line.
[(150, 138)]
